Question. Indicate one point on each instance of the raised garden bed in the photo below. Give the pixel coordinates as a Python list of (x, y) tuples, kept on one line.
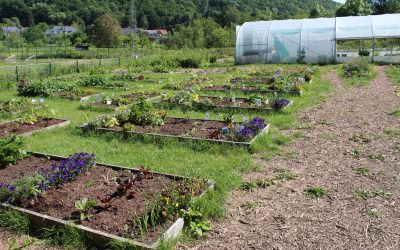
[(122, 198), (249, 89), (74, 96), (26, 129), (189, 129), (119, 102), (213, 102)]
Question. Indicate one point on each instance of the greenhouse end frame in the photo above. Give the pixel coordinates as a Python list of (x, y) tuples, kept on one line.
[(317, 40)]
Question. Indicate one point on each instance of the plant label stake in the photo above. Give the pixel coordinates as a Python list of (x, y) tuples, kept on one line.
[(98, 99), (258, 102), (225, 130), (207, 116), (266, 102), (108, 102), (233, 99), (33, 101)]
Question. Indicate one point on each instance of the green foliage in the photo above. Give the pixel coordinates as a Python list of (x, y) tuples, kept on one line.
[(26, 187), (106, 32), (11, 150), (42, 88), (14, 221), (364, 195), (195, 220), (357, 68), (95, 80), (355, 8), (363, 52), (68, 236), (316, 192), (83, 206), (142, 113)]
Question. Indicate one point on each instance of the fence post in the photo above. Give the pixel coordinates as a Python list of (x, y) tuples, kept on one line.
[(119, 61), (77, 66), (99, 61), (49, 69), (16, 73)]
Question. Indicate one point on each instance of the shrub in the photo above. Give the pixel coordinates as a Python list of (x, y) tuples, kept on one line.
[(11, 151), (42, 88), (357, 68), (363, 52), (94, 81), (189, 62), (213, 58)]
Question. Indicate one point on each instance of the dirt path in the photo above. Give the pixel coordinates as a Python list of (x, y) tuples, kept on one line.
[(351, 121)]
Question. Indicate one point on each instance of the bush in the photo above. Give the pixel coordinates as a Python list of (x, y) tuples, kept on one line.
[(42, 88), (357, 68), (11, 151), (213, 58), (94, 81), (189, 63), (363, 52)]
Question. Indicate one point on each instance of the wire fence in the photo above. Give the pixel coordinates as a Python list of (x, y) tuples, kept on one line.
[(13, 74)]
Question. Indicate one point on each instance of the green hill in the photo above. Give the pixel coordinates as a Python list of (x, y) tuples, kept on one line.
[(156, 13)]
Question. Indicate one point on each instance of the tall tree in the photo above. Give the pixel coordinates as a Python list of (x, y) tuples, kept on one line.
[(355, 8), (385, 6), (106, 31)]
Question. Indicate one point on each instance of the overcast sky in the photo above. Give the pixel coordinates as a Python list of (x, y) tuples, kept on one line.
[(340, 1)]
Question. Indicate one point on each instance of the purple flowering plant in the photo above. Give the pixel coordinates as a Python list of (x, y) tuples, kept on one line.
[(31, 186), (250, 129)]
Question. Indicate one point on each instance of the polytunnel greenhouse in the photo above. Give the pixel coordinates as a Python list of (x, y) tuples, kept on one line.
[(321, 40)]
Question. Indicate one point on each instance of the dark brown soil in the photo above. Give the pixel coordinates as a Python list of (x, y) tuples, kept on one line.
[(26, 167), (14, 127), (131, 98), (258, 80), (184, 127), (227, 102), (99, 183)]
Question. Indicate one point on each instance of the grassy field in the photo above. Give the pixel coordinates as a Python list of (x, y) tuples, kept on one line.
[(224, 164)]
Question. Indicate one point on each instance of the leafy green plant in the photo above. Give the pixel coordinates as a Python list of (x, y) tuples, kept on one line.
[(11, 150), (284, 174), (356, 68), (364, 195), (362, 171), (83, 206), (43, 88), (316, 192), (196, 222)]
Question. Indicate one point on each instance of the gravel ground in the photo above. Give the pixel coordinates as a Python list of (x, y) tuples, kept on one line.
[(351, 121)]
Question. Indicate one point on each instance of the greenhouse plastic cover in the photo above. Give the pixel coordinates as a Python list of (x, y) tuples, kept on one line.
[(284, 41)]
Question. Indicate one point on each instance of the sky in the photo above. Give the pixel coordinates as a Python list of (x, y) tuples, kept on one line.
[(340, 1)]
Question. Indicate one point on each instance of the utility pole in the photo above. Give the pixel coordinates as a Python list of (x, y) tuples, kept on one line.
[(133, 14), (133, 23)]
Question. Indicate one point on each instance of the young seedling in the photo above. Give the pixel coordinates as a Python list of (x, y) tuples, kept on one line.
[(372, 212), (83, 206), (316, 192), (378, 156), (248, 186), (284, 174), (363, 171), (364, 195), (353, 152)]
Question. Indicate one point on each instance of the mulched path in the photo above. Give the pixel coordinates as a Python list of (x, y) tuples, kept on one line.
[(283, 217)]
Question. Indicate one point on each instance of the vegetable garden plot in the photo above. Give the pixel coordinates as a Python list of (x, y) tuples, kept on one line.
[(232, 103), (80, 94), (20, 127), (227, 132), (250, 89), (118, 102), (106, 202)]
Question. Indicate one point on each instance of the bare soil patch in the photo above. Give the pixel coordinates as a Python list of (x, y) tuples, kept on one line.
[(14, 127)]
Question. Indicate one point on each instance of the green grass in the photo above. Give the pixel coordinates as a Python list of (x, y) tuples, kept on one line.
[(360, 81), (221, 163), (316, 192), (394, 74)]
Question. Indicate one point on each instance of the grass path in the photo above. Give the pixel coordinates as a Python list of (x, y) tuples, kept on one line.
[(349, 148)]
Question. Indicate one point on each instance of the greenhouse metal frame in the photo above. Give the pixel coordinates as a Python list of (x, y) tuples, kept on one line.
[(314, 40)]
